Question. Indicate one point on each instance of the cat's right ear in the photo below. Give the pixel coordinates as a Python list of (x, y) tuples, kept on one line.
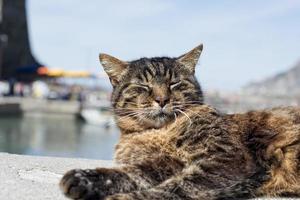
[(114, 67), (190, 59)]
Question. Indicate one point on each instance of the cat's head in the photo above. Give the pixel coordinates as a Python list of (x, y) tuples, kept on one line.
[(152, 92)]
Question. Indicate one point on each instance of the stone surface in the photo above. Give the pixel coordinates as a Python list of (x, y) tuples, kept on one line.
[(36, 178)]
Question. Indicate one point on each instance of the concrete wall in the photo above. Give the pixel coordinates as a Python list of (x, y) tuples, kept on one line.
[(19, 106)]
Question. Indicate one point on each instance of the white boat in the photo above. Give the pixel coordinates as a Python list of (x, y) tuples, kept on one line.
[(96, 117)]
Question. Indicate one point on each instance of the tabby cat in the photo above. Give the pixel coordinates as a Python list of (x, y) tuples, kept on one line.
[(173, 146)]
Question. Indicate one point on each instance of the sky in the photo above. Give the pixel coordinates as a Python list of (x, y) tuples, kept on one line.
[(244, 41)]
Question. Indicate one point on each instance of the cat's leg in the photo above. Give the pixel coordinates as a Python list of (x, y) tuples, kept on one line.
[(100, 182), (279, 152), (283, 156), (195, 184)]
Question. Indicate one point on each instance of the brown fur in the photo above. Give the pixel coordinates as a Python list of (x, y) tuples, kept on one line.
[(173, 146)]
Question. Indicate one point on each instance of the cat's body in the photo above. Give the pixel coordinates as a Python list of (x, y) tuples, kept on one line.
[(174, 147), (261, 147)]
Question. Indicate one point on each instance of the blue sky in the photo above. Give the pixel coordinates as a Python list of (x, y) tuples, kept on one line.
[(243, 40)]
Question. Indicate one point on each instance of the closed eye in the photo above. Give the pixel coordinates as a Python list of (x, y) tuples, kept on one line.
[(173, 85), (145, 87), (136, 88)]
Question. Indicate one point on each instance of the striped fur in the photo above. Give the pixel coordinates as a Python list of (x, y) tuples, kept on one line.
[(173, 146)]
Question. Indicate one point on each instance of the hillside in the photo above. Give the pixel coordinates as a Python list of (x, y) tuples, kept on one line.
[(283, 84)]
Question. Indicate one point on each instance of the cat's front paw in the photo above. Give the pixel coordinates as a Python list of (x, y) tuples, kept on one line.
[(80, 184), (95, 183)]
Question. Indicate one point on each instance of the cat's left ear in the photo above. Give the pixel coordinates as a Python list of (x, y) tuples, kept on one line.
[(190, 59), (114, 67)]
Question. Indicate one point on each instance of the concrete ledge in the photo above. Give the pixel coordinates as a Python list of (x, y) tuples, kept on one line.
[(36, 178), (18, 106)]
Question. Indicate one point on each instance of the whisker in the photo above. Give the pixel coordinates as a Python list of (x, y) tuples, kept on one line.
[(129, 116), (126, 116), (186, 116), (193, 112), (175, 115)]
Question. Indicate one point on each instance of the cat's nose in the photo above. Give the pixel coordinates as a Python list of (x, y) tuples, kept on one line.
[(162, 101)]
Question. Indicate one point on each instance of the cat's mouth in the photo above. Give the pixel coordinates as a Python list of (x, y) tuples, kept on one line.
[(159, 118), (149, 118)]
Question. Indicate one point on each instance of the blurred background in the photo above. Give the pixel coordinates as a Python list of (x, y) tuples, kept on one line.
[(54, 95)]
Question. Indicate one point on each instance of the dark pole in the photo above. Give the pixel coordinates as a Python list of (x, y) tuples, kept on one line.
[(17, 51)]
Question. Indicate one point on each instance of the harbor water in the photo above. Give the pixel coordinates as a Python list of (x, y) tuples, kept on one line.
[(47, 135)]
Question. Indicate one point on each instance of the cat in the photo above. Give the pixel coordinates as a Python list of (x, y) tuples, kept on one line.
[(174, 146)]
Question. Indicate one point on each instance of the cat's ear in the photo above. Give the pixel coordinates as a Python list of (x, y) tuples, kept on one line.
[(190, 59), (114, 67)]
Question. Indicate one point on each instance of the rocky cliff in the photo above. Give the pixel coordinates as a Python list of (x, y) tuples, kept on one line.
[(283, 84)]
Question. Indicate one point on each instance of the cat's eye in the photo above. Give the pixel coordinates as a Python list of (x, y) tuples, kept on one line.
[(174, 84), (145, 87)]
